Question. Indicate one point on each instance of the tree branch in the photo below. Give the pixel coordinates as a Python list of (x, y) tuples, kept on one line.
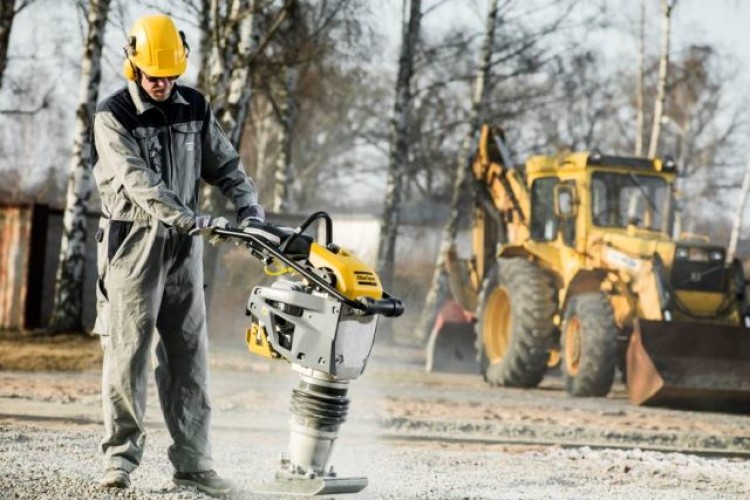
[(43, 105)]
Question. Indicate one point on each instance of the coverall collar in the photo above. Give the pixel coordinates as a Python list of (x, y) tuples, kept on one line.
[(142, 105)]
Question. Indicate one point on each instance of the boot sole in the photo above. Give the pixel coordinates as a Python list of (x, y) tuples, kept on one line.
[(202, 487), (120, 483)]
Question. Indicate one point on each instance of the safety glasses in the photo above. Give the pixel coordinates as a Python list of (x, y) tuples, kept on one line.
[(156, 79)]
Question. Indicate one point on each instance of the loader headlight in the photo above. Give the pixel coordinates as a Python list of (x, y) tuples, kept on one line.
[(681, 253), (716, 255)]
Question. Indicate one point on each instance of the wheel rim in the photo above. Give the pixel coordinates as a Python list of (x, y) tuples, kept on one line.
[(573, 345), (554, 358), (497, 324)]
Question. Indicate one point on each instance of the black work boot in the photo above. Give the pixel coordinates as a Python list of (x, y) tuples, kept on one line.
[(115, 478), (208, 482)]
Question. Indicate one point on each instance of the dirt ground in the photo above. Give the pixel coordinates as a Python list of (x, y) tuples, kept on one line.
[(28, 351), (413, 434)]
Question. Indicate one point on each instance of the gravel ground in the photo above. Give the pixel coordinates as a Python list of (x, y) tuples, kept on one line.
[(414, 435)]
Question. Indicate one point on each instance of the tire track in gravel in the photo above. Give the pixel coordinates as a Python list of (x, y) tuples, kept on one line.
[(409, 430)]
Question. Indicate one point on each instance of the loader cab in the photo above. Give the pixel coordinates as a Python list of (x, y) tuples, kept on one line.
[(572, 193), (556, 185)]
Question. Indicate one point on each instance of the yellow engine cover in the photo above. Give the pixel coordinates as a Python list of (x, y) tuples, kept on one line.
[(354, 278), (257, 342)]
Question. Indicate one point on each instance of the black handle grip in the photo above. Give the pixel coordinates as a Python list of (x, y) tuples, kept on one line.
[(387, 306)]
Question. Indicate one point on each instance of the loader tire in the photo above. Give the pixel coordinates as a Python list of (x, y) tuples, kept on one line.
[(514, 323), (589, 345)]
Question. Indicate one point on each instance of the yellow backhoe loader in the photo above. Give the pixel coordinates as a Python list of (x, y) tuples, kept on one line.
[(574, 262)]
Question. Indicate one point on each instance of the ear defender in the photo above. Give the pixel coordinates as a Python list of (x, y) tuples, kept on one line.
[(129, 70)]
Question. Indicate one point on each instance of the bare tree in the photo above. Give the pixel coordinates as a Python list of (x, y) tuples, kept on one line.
[(739, 213), (584, 101), (399, 144), (443, 77), (203, 10), (285, 106), (313, 34), (639, 122), (666, 20), (438, 287), (336, 115), (287, 111), (233, 106), (9, 9), (67, 312), (234, 39), (704, 128)]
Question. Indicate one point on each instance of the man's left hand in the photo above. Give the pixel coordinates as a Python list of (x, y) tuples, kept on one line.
[(250, 213)]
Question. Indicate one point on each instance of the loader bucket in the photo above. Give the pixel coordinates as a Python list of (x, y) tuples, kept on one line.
[(451, 346), (689, 365)]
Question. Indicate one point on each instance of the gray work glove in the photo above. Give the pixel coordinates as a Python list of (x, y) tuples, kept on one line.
[(250, 213), (205, 225)]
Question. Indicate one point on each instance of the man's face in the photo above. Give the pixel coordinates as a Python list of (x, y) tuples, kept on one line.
[(158, 89)]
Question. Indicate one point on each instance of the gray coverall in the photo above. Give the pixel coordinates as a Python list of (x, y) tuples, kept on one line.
[(147, 162)]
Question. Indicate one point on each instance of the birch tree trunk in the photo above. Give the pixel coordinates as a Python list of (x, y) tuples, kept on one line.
[(224, 35), (399, 146), (67, 312), (666, 9), (739, 215), (261, 116), (438, 286), (7, 14), (225, 45), (240, 91), (639, 120), (287, 116), (9, 9), (230, 95), (204, 25)]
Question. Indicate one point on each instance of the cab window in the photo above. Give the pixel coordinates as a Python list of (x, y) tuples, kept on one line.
[(568, 226), (544, 222), (622, 199)]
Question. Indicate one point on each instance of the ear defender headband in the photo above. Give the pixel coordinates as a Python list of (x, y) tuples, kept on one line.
[(128, 68), (185, 44)]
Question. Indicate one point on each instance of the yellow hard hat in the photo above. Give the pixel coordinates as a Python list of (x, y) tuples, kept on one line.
[(156, 47)]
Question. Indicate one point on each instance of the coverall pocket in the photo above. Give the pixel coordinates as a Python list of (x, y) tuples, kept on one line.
[(187, 142), (101, 326), (152, 148), (118, 231)]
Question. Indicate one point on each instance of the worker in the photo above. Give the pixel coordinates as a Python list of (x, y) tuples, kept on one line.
[(154, 140)]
